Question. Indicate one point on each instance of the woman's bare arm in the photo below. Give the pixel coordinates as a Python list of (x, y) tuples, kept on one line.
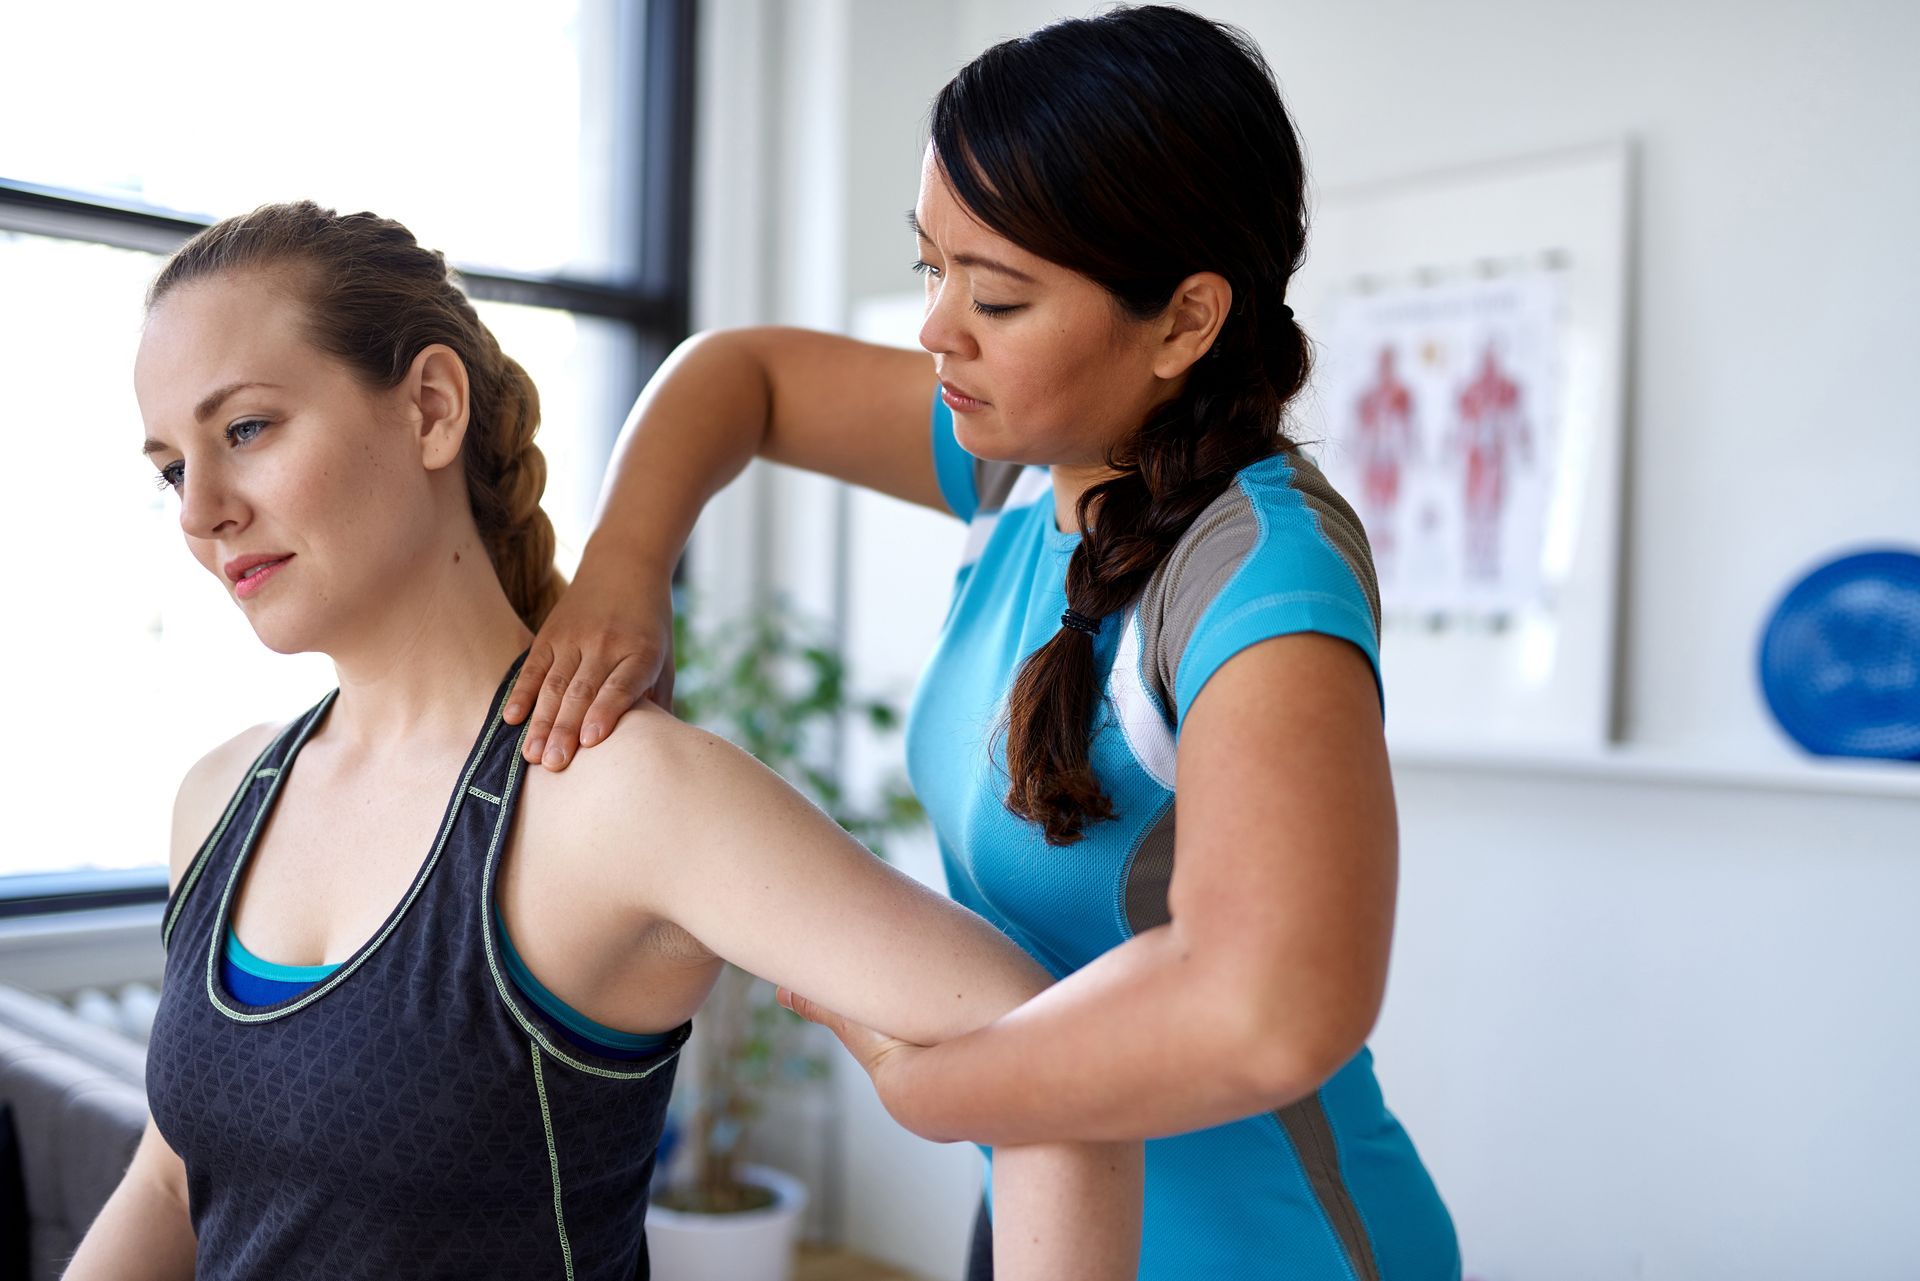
[(762, 877), (143, 1232), (817, 401)]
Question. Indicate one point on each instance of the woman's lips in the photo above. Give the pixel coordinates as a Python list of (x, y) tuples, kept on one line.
[(959, 401), (254, 581)]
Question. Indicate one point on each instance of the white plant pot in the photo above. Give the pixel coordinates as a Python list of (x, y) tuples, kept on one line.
[(754, 1245)]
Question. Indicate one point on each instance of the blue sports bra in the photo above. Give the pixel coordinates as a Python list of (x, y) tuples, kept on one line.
[(261, 982)]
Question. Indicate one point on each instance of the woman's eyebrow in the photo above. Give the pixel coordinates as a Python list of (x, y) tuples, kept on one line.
[(972, 260), (213, 398), (207, 405)]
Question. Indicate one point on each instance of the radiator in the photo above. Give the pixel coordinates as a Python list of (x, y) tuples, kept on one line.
[(127, 1010)]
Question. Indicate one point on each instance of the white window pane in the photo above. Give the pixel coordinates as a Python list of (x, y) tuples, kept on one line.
[(126, 662), (494, 130)]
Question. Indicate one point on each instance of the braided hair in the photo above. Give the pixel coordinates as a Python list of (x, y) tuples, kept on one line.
[(375, 298), (1136, 148)]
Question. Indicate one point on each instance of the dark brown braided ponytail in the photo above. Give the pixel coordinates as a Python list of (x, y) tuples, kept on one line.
[(375, 298), (1136, 148)]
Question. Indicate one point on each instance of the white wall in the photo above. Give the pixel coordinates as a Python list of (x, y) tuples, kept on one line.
[(1642, 1024), (1778, 184)]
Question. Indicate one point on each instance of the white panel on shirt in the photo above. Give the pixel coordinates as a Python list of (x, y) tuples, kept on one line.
[(1034, 483), (1141, 720)]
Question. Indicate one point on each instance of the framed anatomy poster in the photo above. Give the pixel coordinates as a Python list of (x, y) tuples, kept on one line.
[(1467, 400)]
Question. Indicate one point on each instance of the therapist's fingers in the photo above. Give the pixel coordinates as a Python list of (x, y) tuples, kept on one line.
[(866, 1045), (803, 1007), (521, 699), (579, 693), (527, 684), (549, 690), (624, 687)]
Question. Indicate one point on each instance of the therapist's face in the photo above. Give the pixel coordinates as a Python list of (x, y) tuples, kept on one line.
[(1039, 363)]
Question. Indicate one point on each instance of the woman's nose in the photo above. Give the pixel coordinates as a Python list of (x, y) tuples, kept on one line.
[(944, 331), (209, 507)]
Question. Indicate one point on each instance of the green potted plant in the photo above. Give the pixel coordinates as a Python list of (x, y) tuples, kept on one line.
[(771, 684)]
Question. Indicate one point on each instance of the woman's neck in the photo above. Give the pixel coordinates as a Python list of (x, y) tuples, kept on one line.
[(1069, 483), (433, 653)]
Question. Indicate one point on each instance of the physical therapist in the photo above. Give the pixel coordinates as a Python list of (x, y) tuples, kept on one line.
[(1149, 738)]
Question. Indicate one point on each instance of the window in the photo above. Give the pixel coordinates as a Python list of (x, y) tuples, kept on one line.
[(546, 149)]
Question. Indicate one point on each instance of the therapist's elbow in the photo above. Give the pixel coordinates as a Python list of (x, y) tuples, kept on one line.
[(1287, 1057)]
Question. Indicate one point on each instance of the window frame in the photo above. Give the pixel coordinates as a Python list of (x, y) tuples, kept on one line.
[(655, 304)]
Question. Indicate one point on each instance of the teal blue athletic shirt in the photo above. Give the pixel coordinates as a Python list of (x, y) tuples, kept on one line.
[(1330, 1187)]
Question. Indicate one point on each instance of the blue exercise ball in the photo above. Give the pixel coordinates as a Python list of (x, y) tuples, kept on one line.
[(1840, 658)]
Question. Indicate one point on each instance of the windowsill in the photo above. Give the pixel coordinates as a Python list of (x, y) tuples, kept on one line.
[(50, 893), (61, 952), (1622, 763)]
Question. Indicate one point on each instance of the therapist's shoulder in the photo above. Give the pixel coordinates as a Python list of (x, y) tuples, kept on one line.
[(207, 787), (1279, 529), (1278, 517)]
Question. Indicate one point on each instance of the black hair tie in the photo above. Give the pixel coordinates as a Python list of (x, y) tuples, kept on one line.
[(1080, 622)]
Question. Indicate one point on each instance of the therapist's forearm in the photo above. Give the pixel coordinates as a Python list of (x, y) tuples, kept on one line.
[(1152, 1038), (700, 421)]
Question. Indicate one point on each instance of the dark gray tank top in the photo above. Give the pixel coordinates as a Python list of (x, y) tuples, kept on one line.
[(412, 1115)]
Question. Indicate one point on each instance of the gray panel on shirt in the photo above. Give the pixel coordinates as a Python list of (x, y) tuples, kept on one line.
[(1211, 552)]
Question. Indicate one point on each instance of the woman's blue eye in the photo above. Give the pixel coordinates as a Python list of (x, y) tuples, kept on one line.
[(924, 267), (173, 475)]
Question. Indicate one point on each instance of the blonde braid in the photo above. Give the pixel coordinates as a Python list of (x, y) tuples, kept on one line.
[(506, 476)]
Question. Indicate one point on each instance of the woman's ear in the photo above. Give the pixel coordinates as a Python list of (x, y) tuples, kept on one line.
[(436, 392), (1192, 321)]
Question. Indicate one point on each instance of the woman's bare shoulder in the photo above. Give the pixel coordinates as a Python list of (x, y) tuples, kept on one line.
[(656, 801), (657, 769), (207, 787)]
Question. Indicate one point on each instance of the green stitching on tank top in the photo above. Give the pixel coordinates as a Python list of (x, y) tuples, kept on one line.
[(485, 796), (206, 849), (553, 1161), (493, 964), (340, 975)]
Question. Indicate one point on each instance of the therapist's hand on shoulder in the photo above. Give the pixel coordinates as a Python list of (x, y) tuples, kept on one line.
[(606, 644)]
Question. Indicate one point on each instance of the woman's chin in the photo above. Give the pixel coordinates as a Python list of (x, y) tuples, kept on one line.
[(980, 441), (988, 441), (281, 638)]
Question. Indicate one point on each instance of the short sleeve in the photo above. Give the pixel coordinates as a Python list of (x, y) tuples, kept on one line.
[(1278, 553), (952, 466)]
